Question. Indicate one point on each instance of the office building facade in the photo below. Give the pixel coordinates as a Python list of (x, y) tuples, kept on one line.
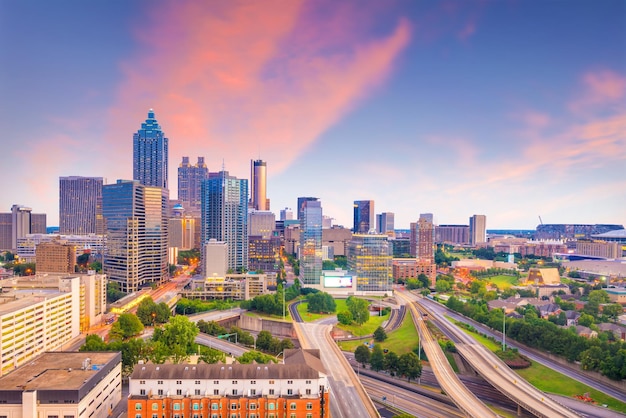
[(369, 257), (136, 228), (150, 154), (364, 216), (258, 185), (190, 178), (225, 216), (425, 243), (385, 223), (80, 205), (452, 234), (310, 216), (477, 229), (55, 257)]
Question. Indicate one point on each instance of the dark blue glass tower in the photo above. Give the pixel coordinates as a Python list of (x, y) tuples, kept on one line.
[(150, 154)]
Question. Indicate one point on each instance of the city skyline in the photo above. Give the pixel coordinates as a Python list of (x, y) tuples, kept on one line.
[(510, 109)]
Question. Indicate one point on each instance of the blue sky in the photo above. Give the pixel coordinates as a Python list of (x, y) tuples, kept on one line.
[(512, 109)]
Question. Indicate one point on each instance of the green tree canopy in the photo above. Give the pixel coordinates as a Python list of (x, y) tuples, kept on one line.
[(180, 334), (362, 354), (409, 366), (126, 326), (377, 358), (359, 308), (379, 334)]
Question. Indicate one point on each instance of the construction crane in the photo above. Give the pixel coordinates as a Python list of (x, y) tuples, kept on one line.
[(540, 221)]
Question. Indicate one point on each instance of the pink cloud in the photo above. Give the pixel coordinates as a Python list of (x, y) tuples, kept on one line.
[(237, 80), (600, 88)]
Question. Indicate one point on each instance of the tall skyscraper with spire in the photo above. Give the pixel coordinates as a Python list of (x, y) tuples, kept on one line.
[(225, 216), (150, 154), (258, 185), (190, 178), (80, 205)]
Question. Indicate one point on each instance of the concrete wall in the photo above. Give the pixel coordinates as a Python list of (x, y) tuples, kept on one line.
[(276, 328)]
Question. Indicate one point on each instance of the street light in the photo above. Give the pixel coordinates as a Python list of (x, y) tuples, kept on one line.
[(503, 329)]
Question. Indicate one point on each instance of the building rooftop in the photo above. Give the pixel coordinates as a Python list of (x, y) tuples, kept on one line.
[(57, 371)]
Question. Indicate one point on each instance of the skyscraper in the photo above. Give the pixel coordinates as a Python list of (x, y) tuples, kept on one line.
[(310, 216), (364, 216), (385, 223), (369, 257), (225, 216), (21, 223), (80, 205), (477, 229), (150, 152), (190, 179), (425, 240), (136, 228), (258, 185)]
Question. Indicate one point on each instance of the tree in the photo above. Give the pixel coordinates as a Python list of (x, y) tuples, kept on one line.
[(442, 285), (379, 334), (344, 317), (409, 366), (211, 355), (359, 309), (113, 292), (179, 334), (585, 320), (264, 340), (424, 280), (211, 327), (362, 355), (147, 311), (93, 342), (126, 326), (392, 362), (613, 310), (377, 358), (321, 302)]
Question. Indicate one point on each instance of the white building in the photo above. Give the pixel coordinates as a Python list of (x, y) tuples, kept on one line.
[(63, 384), (215, 258), (27, 245)]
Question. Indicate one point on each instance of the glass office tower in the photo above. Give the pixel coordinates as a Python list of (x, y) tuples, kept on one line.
[(369, 257), (136, 228), (225, 216), (150, 149), (80, 205), (310, 216)]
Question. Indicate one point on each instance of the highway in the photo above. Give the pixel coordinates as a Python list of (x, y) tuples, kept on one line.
[(449, 381), (496, 372)]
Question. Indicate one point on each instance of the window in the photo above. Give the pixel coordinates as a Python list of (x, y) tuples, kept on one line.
[(308, 382), (160, 392), (233, 406), (271, 382), (234, 392), (252, 392), (290, 382), (196, 406), (179, 382), (142, 382), (292, 416), (293, 406), (197, 382), (271, 391), (309, 415), (216, 382), (179, 391), (137, 415), (68, 416), (252, 406), (155, 415), (216, 391), (197, 392), (253, 382), (142, 391), (289, 391), (308, 391), (215, 406), (234, 382), (159, 382), (309, 406), (271, 406), (155, 406), (176, 407), (252, 415), (138, 406)]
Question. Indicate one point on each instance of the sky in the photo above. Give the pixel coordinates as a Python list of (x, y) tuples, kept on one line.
[(515, 109)]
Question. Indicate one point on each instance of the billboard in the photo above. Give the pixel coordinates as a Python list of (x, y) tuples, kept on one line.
[(337, 281)]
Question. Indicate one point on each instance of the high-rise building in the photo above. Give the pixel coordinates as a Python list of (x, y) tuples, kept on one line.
[(310, 216), (477, 229), (136, 227), (80, 205), (286, 214), (452, 234), (364, 216), (190, 178), (225, 216), (258, 185), (425, 244), (150, 153), (38, 223), (385, 223), (55, 257), (215, 259), (6, 231), (261, 223), (21, 223), (370, 258)]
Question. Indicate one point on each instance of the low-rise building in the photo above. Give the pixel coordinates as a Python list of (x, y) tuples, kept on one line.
[(297, 388), (233, 286), (63, 384), (410, 268)]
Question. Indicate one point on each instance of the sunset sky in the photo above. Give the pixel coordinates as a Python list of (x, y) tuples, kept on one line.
[(512, 109)]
